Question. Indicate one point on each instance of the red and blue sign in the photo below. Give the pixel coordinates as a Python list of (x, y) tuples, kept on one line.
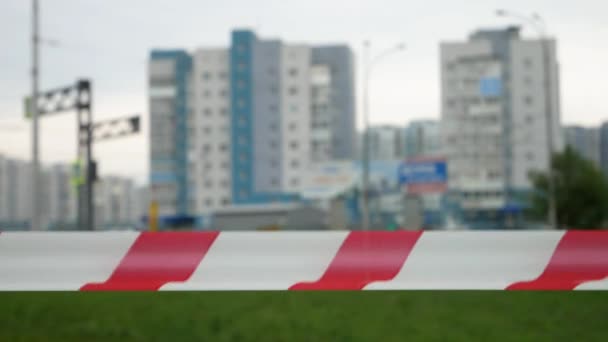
[(424, 175)]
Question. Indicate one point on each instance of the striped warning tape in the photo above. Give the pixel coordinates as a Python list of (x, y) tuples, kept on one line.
[(103, 261)]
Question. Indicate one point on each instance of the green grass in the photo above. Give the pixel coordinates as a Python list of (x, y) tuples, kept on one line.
[(305, 316)]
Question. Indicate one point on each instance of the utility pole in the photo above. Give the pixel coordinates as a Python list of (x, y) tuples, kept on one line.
[(367, 69), (35, 217)]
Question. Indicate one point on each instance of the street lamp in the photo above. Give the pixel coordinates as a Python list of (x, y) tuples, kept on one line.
[(369, 64), (536, 22)]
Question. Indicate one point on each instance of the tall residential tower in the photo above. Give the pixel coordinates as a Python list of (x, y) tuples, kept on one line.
[(239, 125), (494, 115)]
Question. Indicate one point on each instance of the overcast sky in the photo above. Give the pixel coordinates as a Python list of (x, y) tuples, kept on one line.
[(108, 41)]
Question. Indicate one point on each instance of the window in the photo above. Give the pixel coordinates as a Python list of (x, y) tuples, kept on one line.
[(273, 144), (294, 182), (208, 184), (225, 165), (274, 163), (207, 130), (209, 202), (242, 140), (272, 71), (293, 91), (273, 126), (207, 112), (293, 72), (240, 48), (274, 182), (225, 201), (527, 80), (223, 147), (293, 108), (528, 100), (243, 175), (241, 103), (527, 62), (274, 108), (225, 183), (224, 111), (241, 66), (295, 164), (293, 126), (530, 156), (242, 120), (529, 119), (243, 157), (207, 94), (240, 84), (223, 75), (206, 148), (273, 89), (223, 93), (208, 166), (206, 75), (293, 145)]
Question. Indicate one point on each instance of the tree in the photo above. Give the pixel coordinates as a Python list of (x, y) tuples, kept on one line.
[(581, 192)]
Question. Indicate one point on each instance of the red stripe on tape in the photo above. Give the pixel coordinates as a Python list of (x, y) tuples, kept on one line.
[(579, 257), (365, 257), (155, 259)]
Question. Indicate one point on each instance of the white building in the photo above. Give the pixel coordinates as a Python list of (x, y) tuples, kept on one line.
[(114, 207), (585, 141), (493, 114), (255, 113), (116, 199), (60, 198), (422, 138), (15, 192), (385, 142)]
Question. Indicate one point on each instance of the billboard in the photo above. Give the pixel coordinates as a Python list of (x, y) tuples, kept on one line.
[(424, 175)]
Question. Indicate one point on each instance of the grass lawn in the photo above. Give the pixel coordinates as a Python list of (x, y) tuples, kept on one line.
[(305, 316)]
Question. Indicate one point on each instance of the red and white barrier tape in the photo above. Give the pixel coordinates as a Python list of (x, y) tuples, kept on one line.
[(513, 260)]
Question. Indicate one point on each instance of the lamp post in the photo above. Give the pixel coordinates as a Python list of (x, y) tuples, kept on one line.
[(536, 22), (35, 223), (369, 64)]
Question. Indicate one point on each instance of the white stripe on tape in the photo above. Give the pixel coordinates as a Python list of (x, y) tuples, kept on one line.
[(263, 261), (474, 260), (60, 260)]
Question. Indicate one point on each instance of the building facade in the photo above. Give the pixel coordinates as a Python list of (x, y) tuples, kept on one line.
[(257, 113), (116, 200), (15, 193), (585, 141), (421, 138), (385, 142), (168, 72), (494, 115)]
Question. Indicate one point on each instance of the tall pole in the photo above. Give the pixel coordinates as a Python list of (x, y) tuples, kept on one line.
[(367, 68), (35, 216), (366, 157)]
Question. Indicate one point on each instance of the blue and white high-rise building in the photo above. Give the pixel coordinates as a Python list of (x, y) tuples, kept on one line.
[(239, 125)]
